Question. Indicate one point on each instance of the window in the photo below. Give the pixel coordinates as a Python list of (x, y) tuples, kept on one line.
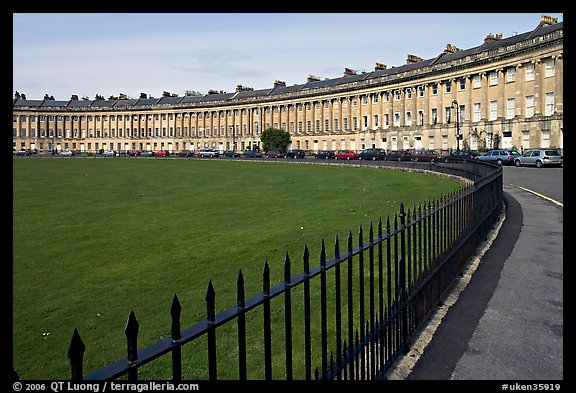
[(386, 96), (364, 100), (434, 88), (354, 123), (375, 98), (447, 114), (529, 72), (408, 92), (396, 119), (421, 91), (549, 71), (510, 113), (476, 116), (510, 74), (364, 122), (476, 81), (420, 117), (493, 110), (434, 116), (493, 78), (386, 120), (529, 107), (375, 121), (462, 84), (408, 118), (397, 95), (448, 86), (336, 125), (549, 109)]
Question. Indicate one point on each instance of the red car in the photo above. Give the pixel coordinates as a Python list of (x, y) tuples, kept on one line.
[(346, 155), (161, 153), (134, 153), (273, 154)]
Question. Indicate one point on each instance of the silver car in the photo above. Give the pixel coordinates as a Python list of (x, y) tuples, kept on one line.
[(540, 158)]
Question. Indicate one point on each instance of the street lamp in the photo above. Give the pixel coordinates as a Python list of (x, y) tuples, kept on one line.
[(455, 104)]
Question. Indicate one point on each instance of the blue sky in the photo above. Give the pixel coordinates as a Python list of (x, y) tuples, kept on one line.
[(107, 54)]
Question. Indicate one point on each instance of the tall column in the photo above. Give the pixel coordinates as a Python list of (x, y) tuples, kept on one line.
[(558, 83), (537, 88)]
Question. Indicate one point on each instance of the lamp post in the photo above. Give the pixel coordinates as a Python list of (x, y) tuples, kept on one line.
[(455, 104)]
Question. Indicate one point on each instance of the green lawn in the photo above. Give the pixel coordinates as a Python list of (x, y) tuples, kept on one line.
[(94, 239)]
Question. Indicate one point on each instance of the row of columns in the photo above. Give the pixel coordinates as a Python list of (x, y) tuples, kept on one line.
[(251, 121)]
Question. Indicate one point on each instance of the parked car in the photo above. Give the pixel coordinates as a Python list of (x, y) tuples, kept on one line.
[(207, 153), (147, 153), (539, 158), (109, 153), (325, 155), (295, 153), (460, 155), (398, 155), (161, 153), (23, 153), (231, 153), (372, 154), (273, 154), (499, 157), (251, 154), (186, 153), (67, 153), (346, 155), (133, 153), (425, 155)]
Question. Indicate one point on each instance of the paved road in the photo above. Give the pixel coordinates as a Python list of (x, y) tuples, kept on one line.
[(546, 181), (507, 324)]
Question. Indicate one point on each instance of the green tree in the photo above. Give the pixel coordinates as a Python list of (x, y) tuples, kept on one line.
[(275, 139)]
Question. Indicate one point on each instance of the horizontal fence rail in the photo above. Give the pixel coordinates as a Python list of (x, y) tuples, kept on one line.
[(372, 295)]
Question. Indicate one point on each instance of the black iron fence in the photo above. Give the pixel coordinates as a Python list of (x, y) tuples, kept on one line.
[(372, 296)]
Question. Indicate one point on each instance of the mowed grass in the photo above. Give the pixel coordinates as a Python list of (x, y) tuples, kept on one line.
[(94, 239)]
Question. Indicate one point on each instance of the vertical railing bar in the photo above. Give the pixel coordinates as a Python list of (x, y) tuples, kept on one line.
[(350, 301), (323, 312), (338, 310), (359, 366), (267, 327), (175, 311), (131, 332), (404, 322), (389, 288), (288, 317), (211, 317), (380, 285), (361, 288), (307, 334), (76, 356), (241, 302), (371, 285)]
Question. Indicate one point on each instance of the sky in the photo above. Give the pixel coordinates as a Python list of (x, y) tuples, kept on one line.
[(84, 54)]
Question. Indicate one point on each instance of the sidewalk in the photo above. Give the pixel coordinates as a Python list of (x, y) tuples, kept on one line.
[(507, 323)]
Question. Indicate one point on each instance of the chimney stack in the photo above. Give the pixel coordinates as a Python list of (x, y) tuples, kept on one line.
[(411, 59), (380, 66)]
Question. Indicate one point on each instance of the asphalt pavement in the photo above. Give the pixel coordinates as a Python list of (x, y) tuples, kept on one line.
[(507, 322)]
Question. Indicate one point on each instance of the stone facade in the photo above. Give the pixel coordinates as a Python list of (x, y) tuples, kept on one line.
[(505, 92)]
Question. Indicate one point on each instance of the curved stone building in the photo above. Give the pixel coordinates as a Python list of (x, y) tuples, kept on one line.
[(505, 92)]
